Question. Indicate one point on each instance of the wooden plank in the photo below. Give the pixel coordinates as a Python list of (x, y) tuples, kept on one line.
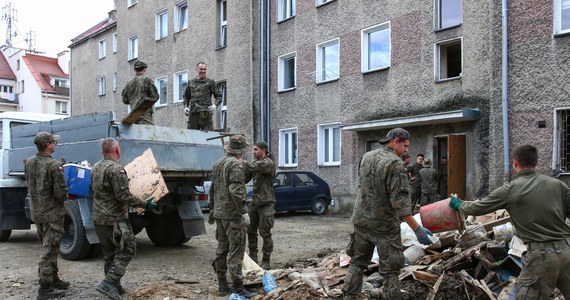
[(422, 275), (139, 110), (489, 226)]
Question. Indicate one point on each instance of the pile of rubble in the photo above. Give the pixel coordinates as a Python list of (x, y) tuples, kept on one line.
[(481, 262)]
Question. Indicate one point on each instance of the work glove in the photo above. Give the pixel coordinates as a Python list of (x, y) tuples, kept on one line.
[(455, 203), (211, 219), (245, 219), (149, 204), (212, 107), (186, 110), (422, 235)]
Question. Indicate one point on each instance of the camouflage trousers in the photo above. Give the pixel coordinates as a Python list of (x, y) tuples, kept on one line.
[(200, 120), (50, 234), (119, 247), (391, 260), (261, 218), (545, 266), (230, 235)]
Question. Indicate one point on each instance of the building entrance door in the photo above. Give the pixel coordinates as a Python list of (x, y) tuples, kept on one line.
[(451, 165)]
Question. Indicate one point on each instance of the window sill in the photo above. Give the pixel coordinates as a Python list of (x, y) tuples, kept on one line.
[(160, 38), (131, 59), (284, 20), (324, 3), (561, 34), (286, 90), (161, 105), (287, 166), (220, 47), (364, 72), (326, 81), (329, 165), (449, 79), (179, 31), (446, 28)]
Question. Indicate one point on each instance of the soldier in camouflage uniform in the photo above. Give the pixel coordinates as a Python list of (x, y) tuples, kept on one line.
[(198, 100), (382, 202), (538, 206), (227, 198), (428, 183), (262, 208), (139, 88), (414, 171), (111, 201), (48, 192)]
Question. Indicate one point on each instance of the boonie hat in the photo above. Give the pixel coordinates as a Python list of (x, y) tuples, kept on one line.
[(236, 145), (427, 162), (44, 138), (394, 133), (140, 65)]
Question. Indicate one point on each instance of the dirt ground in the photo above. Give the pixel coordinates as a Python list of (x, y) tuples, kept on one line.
[(154, 271)]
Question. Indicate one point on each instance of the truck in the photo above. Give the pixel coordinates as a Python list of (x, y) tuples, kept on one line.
[(185, 158)]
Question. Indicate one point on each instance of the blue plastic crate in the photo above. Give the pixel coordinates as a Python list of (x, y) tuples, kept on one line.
[(78, 179)]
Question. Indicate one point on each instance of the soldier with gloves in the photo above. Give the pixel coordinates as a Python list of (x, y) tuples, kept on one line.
[(111, 201), (198, 100), (382, 202), (538, 206), (227, 199)]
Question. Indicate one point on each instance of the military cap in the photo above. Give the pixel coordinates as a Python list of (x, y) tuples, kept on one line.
[(427, 162), (396, 133), (236, 145), (44, 138), (140, 65)]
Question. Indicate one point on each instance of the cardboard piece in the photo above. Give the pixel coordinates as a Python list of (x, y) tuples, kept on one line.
[(139, 110), (145, 179)]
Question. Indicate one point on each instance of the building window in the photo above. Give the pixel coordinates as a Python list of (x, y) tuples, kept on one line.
[(102, 49), (562, 140), (329, 144), (180, 16), (17, 64), (223, 25), (60, 83), (223, 116), (115, 82), (448, 13), (131, 3), (448, 59), (327, 61), (161, 24), (162, 87), (115, 42), (375, 47), (22, 87), (61, 107), (180, 83), (321, 2), (102, 84), (287, 75), (561, 16), (6, 89), (285, 9), (133, 48), (288, 147)]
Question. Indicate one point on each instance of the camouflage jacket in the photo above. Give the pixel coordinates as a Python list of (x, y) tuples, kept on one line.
[(198, 94), (227, 192), (384, 192), (263, 174), (137, 89), (111, 195), (47, 188), (414, 170), (428, 179)]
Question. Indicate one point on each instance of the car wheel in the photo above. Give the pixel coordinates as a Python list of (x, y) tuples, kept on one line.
[(319, 206)]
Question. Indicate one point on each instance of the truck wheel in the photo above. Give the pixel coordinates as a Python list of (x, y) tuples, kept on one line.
[(5, 234), (74, 244), (166, 230), (319, 206)]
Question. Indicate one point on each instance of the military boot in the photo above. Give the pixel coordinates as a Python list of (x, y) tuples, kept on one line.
[(239, 289), (59, 284), (47, 292), (265, 262), (109, 288), (223, 286), (253, 255)]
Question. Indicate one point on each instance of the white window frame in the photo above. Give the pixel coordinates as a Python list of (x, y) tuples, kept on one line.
[(163, 99), (102, 48), (161, 24), (326, 144), (131, 3), (115, 41), (437, 59), (365, 43), (319, 75), (438, 15), (322, 2), (286, 9), (281, 71), (557, 23), (178, 94), (133, 48), (288, 139), (223, 24), (181, 16), (114, 79), (102, 85), (223, 109), (58, 107)]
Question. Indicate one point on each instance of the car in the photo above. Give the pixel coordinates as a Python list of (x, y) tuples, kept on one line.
[(202, 194), (299, 190)]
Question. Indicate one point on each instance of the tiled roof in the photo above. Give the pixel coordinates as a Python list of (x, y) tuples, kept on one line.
[(102, 26), (5, 70), (42, 67)]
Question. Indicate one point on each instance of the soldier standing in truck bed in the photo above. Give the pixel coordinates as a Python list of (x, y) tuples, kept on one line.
[(198, 100), (137, 90)]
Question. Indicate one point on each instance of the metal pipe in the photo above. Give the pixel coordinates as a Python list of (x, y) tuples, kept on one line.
[(261, 70), (268, 67), (504, 92)]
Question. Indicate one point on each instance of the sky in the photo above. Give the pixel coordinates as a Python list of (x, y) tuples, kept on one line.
[(54, 22)]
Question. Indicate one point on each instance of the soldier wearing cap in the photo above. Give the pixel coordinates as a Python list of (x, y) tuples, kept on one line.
[(198, 100), (428, 183), (138, 89), (48, 192), (262, 208), (382, 202), (227, 198)]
